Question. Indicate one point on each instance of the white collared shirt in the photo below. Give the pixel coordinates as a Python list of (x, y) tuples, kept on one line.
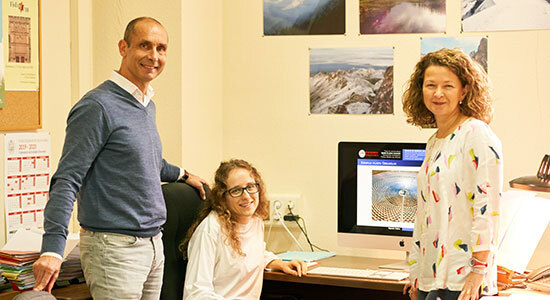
[(131, 88)]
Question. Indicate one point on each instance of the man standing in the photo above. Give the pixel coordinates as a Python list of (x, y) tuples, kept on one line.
[(113, 156)]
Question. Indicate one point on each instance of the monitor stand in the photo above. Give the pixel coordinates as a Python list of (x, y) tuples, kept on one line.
[(402, 265)]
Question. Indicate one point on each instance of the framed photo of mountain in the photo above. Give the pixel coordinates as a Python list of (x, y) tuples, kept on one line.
[(497, 15), (351, 81), (304, 17), (402, 16), (476, 47)]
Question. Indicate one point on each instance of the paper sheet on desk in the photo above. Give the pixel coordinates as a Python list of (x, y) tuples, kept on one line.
[(510, 202), (31, 241), (521, 235), (25, 240), (72, 241)]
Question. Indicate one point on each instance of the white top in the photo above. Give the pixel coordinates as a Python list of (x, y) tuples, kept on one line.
[(216, 271), (459, 185)]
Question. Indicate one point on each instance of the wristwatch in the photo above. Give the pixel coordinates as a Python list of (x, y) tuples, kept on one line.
[(475, 263), (184, 177)]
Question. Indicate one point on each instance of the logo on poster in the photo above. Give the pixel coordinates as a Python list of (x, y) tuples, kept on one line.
[(19, 6)]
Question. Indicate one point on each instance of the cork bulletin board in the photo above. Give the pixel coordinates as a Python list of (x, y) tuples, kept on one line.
[(22, 107)]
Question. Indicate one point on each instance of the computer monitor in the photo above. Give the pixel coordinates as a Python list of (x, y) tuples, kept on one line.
[(377, 195)]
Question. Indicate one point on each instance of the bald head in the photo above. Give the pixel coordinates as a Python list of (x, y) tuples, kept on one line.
[(130, 28)]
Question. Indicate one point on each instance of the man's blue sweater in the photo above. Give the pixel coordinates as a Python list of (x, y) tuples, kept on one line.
[(113, 156)]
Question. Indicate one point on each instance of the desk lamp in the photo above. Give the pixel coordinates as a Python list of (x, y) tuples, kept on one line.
[(539, 183)]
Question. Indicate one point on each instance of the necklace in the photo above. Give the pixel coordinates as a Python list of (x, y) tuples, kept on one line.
[(443, 134)]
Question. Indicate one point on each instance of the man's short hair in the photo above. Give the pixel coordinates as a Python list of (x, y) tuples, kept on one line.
[(130, 27)]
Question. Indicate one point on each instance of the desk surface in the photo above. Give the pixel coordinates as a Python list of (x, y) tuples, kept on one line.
[(360, 283), (344, 262)]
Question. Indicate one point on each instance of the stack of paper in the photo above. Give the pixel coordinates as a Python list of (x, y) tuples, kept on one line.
[(23, 249), (70, 268), (4, 283), (16, 266), (17, 257)]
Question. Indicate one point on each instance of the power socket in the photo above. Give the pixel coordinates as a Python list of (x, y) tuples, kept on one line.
[(280, 203), (275, 206)]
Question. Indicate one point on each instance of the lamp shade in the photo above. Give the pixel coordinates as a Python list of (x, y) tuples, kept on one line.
[(539, 183)]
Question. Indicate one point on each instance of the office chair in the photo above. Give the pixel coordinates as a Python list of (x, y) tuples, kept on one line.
[(34, 295), (183, 204)]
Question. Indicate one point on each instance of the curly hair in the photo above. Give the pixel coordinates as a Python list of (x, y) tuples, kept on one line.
[(217, 202), (476, 103)]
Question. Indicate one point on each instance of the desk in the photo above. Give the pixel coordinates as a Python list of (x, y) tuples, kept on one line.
[(71, 292), (516, 291), (333, 287)]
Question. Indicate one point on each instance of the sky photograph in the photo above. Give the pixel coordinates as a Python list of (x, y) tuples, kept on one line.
[(332, 59)]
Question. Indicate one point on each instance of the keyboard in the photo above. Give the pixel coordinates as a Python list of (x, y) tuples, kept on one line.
[(360, 273)]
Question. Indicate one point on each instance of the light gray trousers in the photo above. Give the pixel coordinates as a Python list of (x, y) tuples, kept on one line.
[(120, 266)]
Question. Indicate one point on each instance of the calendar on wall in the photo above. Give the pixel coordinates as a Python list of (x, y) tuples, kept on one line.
[(26, 179)]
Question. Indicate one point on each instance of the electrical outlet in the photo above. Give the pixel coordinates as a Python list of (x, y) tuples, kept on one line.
[(276, 206), (280, 203)]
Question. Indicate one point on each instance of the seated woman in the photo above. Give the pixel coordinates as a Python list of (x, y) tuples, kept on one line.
[(225, 247)]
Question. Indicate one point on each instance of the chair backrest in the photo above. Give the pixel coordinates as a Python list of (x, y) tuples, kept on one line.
[(35, 295), (183, 204)]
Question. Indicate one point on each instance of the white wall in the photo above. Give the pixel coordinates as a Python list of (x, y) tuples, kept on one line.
[(202, 86), (266, 107)]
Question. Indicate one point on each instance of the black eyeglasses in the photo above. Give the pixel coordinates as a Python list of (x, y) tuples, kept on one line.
[(235, 192)]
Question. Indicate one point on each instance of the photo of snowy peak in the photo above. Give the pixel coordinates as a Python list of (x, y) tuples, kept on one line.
[(304, 17), (351, 81), (496, 15), (476, 47), (398, 16)]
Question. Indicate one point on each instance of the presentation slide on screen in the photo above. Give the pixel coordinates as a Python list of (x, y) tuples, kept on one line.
[(386, 189)]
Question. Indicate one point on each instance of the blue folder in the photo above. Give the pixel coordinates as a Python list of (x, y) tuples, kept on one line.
[(305, 256)]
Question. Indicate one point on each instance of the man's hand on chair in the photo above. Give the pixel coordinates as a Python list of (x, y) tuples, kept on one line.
[(197, 182), (46, 270)]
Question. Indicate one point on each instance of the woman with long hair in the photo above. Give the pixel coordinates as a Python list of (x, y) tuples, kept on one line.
[(225, 247), (459, 182)]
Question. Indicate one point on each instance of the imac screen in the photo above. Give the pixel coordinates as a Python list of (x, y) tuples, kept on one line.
[(377, 192)]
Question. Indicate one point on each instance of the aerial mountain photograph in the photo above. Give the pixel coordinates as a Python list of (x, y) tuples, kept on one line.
[(304, 17), (351, 81), (398, 16), (497, 15)]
